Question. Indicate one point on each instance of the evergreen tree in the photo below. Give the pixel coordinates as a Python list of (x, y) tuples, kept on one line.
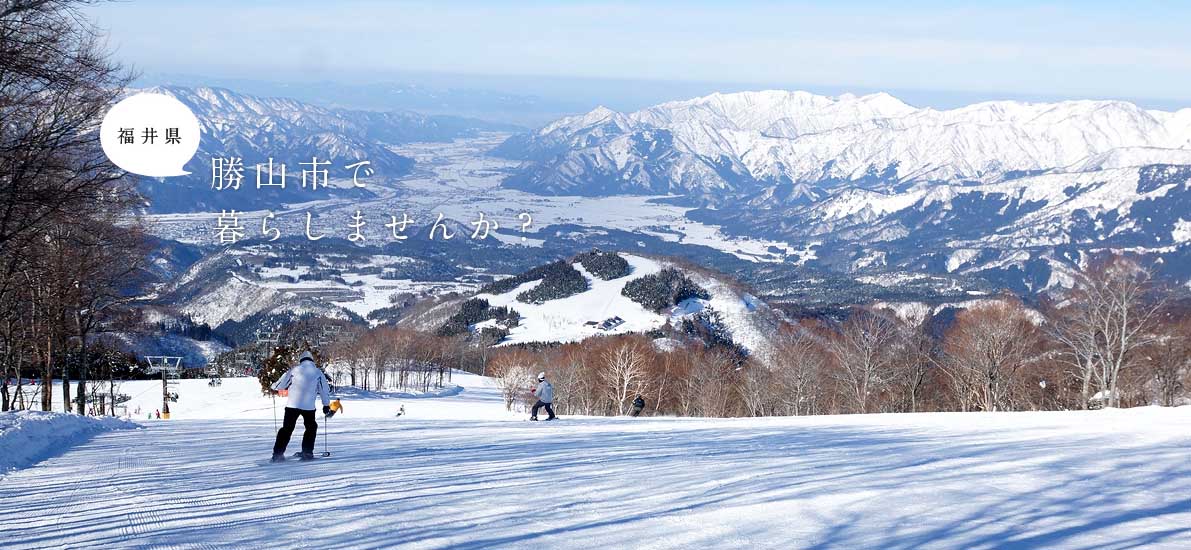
[(282, 358)]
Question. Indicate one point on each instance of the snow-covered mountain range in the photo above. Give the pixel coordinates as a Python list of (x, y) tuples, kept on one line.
[(746, 142), (1006, 190), (256, 129)]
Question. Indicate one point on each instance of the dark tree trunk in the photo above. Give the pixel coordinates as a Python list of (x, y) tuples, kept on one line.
[(47, 378), (82, 367)]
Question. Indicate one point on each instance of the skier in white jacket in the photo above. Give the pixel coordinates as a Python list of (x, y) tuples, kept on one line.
[(545, 395), (303, 381)]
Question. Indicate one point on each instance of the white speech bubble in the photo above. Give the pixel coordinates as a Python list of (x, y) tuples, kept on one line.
[(164, 135)]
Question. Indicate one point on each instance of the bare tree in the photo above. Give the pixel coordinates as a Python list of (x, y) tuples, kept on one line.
[(712, 379), (1168, 360), (798, 366), (914, 368), (624, 373), (56, 81), (513, 371), (864, 350), (1075, 329), (986, 347), (672, 370), (1112, 315), (756, 388), (106, 260)]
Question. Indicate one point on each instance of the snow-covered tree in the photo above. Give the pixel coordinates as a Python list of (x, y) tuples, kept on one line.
[(605, 265), (658, 291)]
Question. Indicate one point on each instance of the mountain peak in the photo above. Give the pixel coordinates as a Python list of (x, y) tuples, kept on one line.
[(600, 111), (591, 118)]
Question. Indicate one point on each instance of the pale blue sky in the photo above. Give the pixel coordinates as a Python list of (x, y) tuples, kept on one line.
[(1132, 50)]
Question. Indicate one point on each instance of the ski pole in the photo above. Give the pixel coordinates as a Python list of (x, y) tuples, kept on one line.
[(274, 397), (326, 428)]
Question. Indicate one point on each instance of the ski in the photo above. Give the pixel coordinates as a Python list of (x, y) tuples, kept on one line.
[(316, 458)]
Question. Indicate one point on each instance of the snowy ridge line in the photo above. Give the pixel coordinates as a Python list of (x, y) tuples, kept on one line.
[(878, 176), (28, 437), (796, 133)]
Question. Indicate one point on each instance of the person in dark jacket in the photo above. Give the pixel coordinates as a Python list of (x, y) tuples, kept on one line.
[(638, 406)]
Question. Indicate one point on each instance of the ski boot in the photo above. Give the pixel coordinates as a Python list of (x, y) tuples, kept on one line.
[(306, 456), (278, 457)]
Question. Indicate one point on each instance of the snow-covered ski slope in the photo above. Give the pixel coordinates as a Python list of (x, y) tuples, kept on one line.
[(462, 479), (566, 319), (563, 319)]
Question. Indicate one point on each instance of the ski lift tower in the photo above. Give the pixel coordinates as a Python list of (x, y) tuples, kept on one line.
[(100, 400), (329, 335), (242, 363), (170, 367), (268, 340)]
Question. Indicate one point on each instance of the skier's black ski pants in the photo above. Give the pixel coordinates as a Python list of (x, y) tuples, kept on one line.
[(287, 428), (538, 405)]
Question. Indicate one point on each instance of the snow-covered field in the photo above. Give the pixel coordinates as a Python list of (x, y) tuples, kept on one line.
[(470, 475)]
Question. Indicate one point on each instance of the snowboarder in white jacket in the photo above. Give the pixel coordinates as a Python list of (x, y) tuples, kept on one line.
[(545, 394), (303, 381)]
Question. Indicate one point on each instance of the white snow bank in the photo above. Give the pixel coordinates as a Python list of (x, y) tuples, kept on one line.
[(27, 437)]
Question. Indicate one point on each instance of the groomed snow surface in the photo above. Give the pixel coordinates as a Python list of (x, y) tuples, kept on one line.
[(460, 472)]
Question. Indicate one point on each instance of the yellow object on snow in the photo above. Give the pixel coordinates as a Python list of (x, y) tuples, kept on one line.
[(336, 406)]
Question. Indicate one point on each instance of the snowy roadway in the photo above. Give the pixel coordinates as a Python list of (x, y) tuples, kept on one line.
[(482, 479)]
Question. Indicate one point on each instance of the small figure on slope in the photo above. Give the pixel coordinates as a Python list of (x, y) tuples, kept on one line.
[(545, 394), (638, 406), (302, 381)]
